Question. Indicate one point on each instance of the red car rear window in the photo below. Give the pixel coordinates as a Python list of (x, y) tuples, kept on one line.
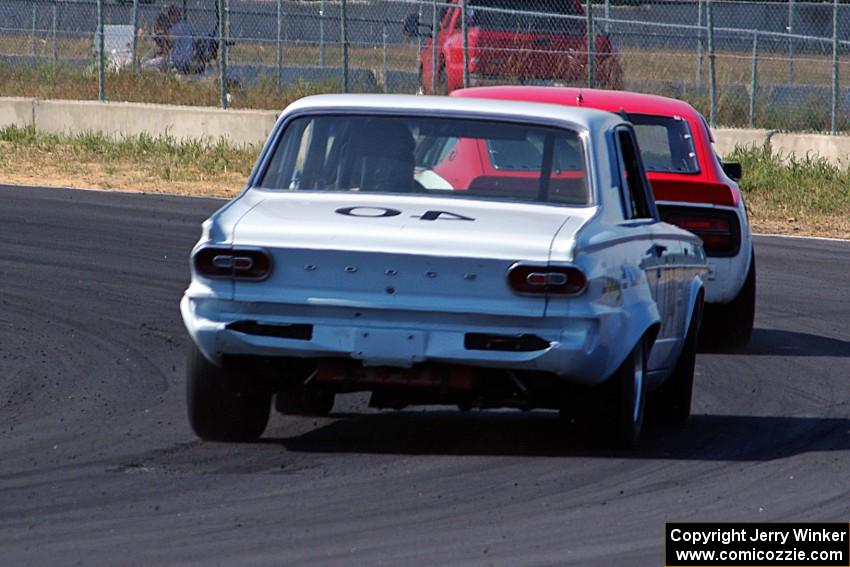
[(666, 144)]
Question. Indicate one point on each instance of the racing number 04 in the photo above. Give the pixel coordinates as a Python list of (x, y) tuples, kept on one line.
[(384, 212)]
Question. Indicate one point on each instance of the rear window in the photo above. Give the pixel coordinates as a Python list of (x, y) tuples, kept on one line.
[(510, 155), (429, 156), (666, 144), (525, 16)]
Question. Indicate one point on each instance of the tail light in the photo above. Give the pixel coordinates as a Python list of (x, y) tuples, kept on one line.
[(556, 280), (717, 234), (696, 192), (236, 262), (719, 229)]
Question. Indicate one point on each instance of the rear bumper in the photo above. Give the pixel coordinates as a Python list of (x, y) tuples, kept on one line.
[(579, 350), (726, 277)]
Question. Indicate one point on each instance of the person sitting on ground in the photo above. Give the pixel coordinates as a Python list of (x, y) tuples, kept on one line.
[(158, 57), (182, 56)]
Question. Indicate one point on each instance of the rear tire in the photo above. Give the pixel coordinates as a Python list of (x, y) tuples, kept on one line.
[(221, 405), (613, 416), (730, 324), (671, 403)]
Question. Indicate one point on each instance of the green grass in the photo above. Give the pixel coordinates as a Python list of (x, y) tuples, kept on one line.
[(791, 187)]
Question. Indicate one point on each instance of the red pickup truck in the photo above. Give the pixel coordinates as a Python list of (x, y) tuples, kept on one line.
[(525, 41)]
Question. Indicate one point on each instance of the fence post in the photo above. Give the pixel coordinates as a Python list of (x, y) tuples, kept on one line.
[(712, 72), (343, 37), (834, 113), (55, 51), (385, 56), (322, 34), (754, 79), (791, 12), (591, 46), (32, 31), (101, 62), (222, 54), (279, 36), (434, 53), (419, 41), (465, 28), (700, 5), (134, 17), (607, 16)]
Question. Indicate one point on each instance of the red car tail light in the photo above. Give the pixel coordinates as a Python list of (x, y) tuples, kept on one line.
[(677, 190), (717, 234), (239, 263), (557, 280)]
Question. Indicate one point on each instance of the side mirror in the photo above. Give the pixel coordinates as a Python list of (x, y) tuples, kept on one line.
[(732, 169), (410, 25)]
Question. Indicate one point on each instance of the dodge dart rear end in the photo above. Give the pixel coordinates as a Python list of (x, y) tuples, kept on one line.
[(350, 264)]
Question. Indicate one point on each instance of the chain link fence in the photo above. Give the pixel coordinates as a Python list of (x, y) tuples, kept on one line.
[(758, 64)]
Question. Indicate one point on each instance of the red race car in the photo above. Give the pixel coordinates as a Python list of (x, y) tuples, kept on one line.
[(541, 41), (693, 189)]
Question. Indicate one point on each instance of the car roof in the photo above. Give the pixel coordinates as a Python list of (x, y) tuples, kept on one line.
[(584, 118), (611, 101)]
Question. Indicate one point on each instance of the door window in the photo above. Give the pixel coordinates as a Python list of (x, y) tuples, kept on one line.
[(633, 183)]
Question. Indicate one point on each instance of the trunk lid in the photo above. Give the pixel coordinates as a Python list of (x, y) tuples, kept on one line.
[(391, 252)]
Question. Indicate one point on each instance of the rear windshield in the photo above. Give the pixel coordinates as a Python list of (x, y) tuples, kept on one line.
[(666, 144), (430, 156), (525, 16)]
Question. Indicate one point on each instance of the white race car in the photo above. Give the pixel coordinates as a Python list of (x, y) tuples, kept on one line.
[(349, 264)]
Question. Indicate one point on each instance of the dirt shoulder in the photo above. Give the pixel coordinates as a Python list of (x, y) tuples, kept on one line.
[(139, 165), (127, 178)]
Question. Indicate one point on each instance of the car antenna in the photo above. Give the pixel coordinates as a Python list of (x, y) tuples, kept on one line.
[(579, 98)]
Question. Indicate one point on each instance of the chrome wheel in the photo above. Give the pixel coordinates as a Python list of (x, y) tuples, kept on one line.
[(637, 394)]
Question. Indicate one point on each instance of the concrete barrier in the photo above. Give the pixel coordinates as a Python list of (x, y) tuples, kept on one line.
[(131, 119), (835, 149), (16, 112), (120, 119), (727, 139)]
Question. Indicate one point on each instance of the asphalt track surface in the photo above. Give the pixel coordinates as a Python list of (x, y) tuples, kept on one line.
[(99, 467)]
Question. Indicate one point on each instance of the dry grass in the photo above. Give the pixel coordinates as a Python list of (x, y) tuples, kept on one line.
[(44, 81), (143, 163), (366, 57), (731, 67), (403, 57), (665, 71)]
